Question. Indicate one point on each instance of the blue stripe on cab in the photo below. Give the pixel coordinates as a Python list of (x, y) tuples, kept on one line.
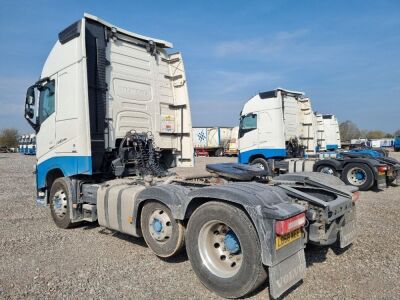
[(331, 147), (69, 165), (245, 156)]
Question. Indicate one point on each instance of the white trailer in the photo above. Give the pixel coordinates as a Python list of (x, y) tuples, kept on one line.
[(210, 141)]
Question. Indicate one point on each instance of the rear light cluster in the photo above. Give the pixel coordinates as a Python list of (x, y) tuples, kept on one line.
[(283, 227), (382, 169)]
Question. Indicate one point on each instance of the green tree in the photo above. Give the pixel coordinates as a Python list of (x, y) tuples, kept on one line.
[(397, 132), (349, 130), (9, 137), (375, 134)]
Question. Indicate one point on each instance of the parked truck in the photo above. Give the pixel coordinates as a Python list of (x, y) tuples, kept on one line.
[(111, 118), (272, 136), (211, 141), (31, 144)]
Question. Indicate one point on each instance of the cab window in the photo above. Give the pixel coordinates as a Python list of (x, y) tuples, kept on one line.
[(247, 123), (46, 101)]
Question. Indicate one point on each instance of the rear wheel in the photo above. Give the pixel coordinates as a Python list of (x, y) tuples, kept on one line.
[(60, 196), (163, 234), (326, 169), (224, 250), (358, 175), (219, 152)]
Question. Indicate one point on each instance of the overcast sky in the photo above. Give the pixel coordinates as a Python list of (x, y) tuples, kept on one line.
[(345, 55)]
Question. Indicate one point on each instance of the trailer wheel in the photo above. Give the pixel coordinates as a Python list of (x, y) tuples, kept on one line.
[(60, 193), (327, 169), (358, 175), (163, 234), (260, 163), (219, 152), (224, 250)]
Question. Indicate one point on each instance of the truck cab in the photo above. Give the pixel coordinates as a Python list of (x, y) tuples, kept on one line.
[(396, 144), (275, 125), (98, 82)]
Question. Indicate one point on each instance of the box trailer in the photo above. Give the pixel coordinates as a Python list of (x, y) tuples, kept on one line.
[(210, 141)]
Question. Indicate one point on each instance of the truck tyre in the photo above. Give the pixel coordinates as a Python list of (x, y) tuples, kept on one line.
[(60, 195), (219, 152), (164, 235), (261, 163), (327, 169), (224, 250), (358, 175)]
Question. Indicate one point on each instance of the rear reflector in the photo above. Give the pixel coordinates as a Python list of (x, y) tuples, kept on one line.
[(283, 227), (355, 196)]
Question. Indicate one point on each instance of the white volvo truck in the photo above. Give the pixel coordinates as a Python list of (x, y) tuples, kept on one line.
[(111, 114), (278, 132)]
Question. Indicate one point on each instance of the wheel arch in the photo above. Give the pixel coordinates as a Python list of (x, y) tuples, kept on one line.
[(328, 162), (52, 175), (255, 156), (173, 196)]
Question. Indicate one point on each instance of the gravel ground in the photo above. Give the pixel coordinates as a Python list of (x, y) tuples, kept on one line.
[(38, 260)]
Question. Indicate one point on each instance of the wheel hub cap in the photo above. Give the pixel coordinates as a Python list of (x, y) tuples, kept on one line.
[(220, 249), (327, 170), (160, 226), (231, 242), (356, 176), (60, 203)]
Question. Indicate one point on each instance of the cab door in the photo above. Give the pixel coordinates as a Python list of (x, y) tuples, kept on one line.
[(248, 136), (45, 137)]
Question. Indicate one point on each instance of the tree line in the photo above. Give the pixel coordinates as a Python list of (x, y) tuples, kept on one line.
[(9, 137), (349, 131)]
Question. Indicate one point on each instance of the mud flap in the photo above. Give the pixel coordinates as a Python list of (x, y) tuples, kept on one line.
[(381, 183), (286, 274), (347, 234)]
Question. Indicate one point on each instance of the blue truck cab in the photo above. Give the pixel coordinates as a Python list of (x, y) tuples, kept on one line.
[(396, 144)]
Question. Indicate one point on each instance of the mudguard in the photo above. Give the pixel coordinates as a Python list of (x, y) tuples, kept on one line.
[(336, 164), (174, 196)]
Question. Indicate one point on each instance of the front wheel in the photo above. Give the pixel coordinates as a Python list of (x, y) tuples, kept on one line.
[(358, 175), (326, 169), (224, 250), (60, 196), (260, 163)]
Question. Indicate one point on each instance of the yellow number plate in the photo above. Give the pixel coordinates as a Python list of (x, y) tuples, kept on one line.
[(283, 240)]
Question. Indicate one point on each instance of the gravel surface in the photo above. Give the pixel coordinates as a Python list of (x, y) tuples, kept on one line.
[(38, 260)]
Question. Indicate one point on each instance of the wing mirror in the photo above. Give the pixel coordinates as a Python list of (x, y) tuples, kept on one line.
[(30, 96), (29, 108)]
